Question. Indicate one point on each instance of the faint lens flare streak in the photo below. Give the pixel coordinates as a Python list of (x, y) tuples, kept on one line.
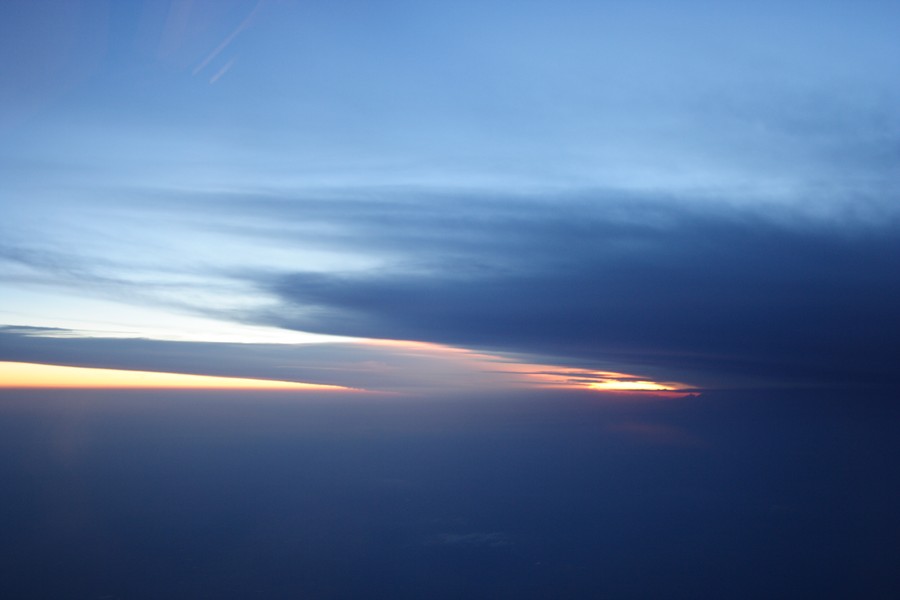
[(221, 71), (228, 40)]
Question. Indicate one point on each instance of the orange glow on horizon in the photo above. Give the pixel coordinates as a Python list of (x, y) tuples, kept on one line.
[(581, 379), (544, 376), (31, 375), (607, 382)]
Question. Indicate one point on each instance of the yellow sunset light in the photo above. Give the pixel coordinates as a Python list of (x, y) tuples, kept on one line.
[(29, 375), (636, 386)]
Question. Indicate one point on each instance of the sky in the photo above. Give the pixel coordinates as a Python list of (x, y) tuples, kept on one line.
[(400, 195), (429, 299)]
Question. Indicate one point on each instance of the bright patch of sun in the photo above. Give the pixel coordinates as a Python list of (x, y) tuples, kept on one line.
[(629, 386)]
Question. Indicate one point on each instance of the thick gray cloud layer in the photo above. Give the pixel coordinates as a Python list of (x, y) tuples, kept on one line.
[(714, 293)]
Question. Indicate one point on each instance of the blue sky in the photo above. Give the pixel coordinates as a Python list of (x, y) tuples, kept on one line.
[(695, 192)]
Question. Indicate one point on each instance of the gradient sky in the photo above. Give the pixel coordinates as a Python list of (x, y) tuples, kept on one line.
[(428, 195)]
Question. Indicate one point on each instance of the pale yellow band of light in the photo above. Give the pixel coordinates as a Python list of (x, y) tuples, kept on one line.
[(30, 375)]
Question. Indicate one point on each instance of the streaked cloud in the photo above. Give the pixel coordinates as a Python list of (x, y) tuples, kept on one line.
[(373, 365)]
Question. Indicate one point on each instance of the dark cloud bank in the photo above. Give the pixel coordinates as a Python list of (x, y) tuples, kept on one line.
[(708, 294), (711, 293), (150, 494)]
